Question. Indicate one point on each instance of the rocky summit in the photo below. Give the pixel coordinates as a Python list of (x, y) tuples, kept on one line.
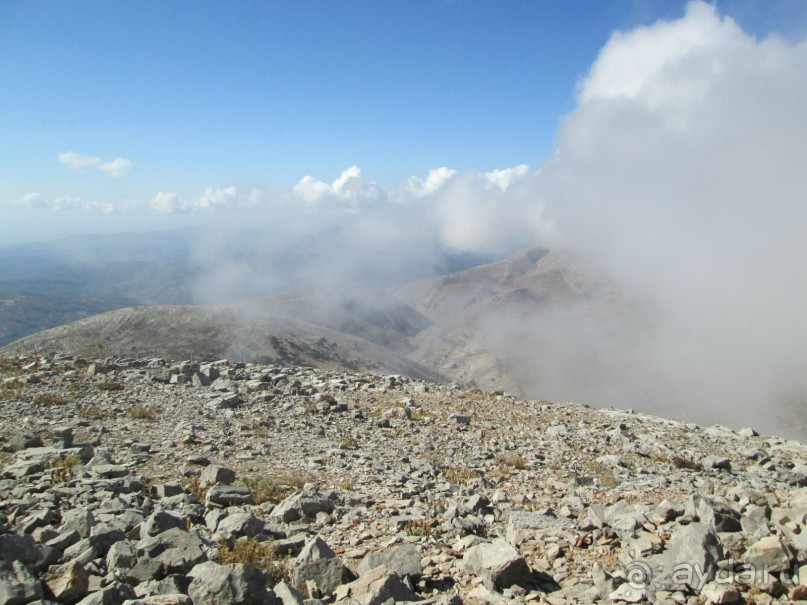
[(145, 481)]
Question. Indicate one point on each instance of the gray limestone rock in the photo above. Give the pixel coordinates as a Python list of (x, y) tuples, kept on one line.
[(161, 521), (378, 586), (315, 549), (234, 584), (300, 506), (68, 583), (287, 594), (17, 584), (238, 525), (228, 495), (114, 594), (769, 553), (19, 548), (403, 560), (326, 574), (173, 551), (121, 555), (497, 562), (212, 475)]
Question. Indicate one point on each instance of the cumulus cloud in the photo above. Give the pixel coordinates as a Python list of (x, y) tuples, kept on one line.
[(76, 161), (113, 169), (414, 187), (226, 198), (680, 177), (668, 62), (505, 177), (349, 191), (117, 167)]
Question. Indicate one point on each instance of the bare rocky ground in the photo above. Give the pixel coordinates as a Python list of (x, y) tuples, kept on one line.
[(147, 481)]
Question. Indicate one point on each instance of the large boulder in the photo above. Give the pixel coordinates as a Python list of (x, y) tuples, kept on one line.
[(403, 560), (326, 574), (17, 584), (497, 563), (303, 505), (228, 495), (378, 586), (233, 584), (68, 583)]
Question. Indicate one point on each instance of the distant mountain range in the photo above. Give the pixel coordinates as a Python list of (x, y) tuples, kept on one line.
[(440, 327)]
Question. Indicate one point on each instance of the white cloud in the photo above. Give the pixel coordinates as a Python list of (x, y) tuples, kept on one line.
[(680, 177), (226, 198), (166, 203), (349, 191), (506, 177), (434, 181), (117, 167), (31, 200), (113, 169), (668, 63), (76, 161)]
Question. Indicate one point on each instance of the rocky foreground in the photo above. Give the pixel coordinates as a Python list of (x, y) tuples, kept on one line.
[(146, 481)]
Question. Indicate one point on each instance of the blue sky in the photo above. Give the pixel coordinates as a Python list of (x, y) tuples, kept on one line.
[(175, 97)]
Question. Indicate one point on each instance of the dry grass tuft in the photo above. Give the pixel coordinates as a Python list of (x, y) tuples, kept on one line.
[(348, 442), (93, 412), (141, 412), (262, 555), (277, 486), (679, 462), (50, 399), (511, 459), (423, 527), (194, 486), (109, 386), (460, 474), (62, 468)]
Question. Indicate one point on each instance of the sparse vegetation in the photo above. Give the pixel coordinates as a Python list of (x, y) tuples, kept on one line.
[(346, 482), (686, 463), (141, 412), (460, 474), (348, 442), (109, 386), (250, 551), (511, 459), (423, 527), (93, 412), (194, 486), (277, 486), (62, 468), (7, 393), (50, 399)]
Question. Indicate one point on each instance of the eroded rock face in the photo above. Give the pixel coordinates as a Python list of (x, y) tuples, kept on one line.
[(358, 489)]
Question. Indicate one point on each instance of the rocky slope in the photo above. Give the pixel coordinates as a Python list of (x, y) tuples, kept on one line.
[(144, 481), (207, 332)]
